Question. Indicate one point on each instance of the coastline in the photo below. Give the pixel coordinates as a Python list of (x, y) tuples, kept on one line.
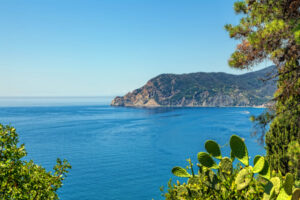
[(174, 106)]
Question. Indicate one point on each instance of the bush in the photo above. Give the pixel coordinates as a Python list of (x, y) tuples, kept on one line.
[(20, 179), (222, 181)]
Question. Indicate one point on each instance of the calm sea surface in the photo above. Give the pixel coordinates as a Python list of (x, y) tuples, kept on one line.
[(120, 153)]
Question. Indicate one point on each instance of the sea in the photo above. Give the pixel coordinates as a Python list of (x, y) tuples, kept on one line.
[(120, 153)]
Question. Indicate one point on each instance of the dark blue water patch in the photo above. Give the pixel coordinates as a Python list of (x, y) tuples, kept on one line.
[(124, 153)]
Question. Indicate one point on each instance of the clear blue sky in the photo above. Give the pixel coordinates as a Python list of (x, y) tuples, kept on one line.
[(108, 47)]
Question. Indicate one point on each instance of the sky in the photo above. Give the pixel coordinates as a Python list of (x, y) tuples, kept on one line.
[(109, 47)]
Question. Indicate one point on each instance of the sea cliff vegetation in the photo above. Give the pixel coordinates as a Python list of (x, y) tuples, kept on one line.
[(268, 29), (223, 181), (21, 179), (203, 89)]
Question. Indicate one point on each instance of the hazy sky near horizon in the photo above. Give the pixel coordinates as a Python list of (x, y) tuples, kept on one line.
[(108, 47)]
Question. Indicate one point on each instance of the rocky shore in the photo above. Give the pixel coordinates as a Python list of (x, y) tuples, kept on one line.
[(203, 90)]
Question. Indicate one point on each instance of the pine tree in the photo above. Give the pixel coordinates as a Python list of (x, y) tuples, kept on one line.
[(270, 29)]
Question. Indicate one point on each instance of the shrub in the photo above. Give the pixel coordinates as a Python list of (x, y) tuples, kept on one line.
[(20, 179), (222, 181)]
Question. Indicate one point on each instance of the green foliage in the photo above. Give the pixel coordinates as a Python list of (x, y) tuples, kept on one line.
[(272, 188), (271, 30), (180, 172), (239, 149), (201, 89), (296, 194), (286, 191), (261, 123), (232, 156), (240, 7), (293, 153), (276, 184), (206, 160), (226, 165), (222, 181), (213, 149), (288, 184), (20, 179), (297, 36), (243, 178), (258, 164), (265, 172)]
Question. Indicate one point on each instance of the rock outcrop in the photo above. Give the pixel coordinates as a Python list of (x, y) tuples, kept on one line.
[(203, 90)]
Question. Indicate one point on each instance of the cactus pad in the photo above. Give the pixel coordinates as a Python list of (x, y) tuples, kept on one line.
[(286, 192), (268, 191), (258, 164), (239, 149), (265, 172), (226, 165), (206, 160), (296, 194), (194, 180), (283, 195), (212, 180), (256, 159), (213, 149), (288, 183), (180, 172), (232, 157), (243, 178), (276, 184), (272, 188)]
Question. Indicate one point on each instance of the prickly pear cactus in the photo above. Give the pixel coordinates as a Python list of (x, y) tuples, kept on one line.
[(225, 165), (256, 159), (268, 190), (182, 190), (206, 160), (276, 185), (232, 157), (194, 180), (220, 181), (296, 194), (287, 189), (265, 172), (239, 149), (258, 164), (212, 180), (243, 178), (272, 188), (213, 149), (288, 183), (180, 172)]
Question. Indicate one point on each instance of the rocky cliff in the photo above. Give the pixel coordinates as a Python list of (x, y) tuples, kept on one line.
[(202, 89)]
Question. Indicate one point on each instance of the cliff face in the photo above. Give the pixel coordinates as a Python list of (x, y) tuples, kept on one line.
[(202, 89)]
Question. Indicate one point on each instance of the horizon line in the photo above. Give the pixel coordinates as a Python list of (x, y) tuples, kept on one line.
[(59, 96)]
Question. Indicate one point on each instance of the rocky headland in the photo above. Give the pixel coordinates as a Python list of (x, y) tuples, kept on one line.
[(203, 90)]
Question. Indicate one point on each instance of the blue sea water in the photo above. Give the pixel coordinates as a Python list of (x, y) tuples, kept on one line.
[(120, 153)]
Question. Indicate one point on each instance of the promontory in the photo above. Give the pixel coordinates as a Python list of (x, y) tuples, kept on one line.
[(203, 90)]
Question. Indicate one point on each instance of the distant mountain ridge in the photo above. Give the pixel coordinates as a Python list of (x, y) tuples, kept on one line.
[(203, 90)]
